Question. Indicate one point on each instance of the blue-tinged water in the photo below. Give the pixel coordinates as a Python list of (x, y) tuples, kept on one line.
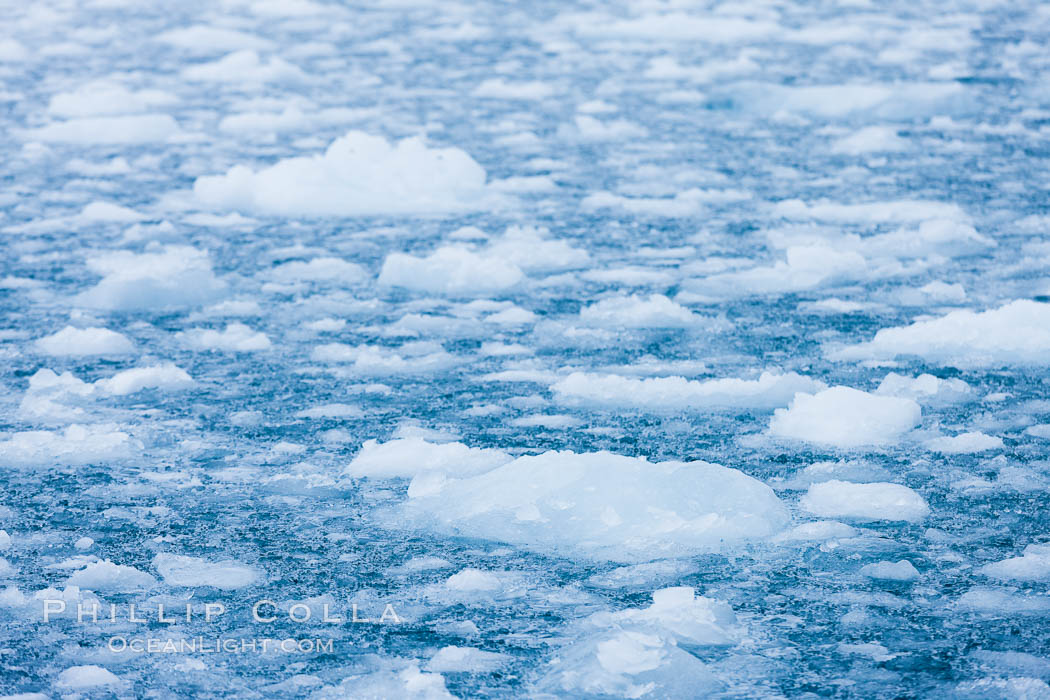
[(225, 470)]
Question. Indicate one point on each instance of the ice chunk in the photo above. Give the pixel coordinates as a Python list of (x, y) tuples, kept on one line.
[(77, 444), (105, 576), (453, 659), (331, 410), (473, 580), (453, 270), (320, 270), (1032, 565), (874, 501), (99, 98), (804, 267), (245, 66), (112, 130), (532, 249), (86, 677), (411, 358), (409, 457), (677, 393), (902, 570), (53, 398), (81, 342), (237, 337), (656, 311), (206, 39), (166, 377), (925, 389), (359, 175), (817, 531), (637, 652), (174, 277), (870, 139), (1017, 333), (602, 506), (845, 417), (178, 570), (501, 89), (408, 683), (107, 211), (897, 211), (965, 443)]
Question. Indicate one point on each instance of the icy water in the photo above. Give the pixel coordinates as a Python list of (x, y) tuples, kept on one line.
[(441, 311)]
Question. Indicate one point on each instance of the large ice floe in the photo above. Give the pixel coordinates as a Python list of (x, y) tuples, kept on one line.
[(598, 505)]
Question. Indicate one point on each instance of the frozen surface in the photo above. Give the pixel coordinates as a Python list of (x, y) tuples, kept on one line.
[(653, 349)]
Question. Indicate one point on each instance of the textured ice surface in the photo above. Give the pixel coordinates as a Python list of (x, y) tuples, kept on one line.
[(453, 308)]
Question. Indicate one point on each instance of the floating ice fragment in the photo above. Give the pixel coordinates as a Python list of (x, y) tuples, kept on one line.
[(846, 418), (873, 501)]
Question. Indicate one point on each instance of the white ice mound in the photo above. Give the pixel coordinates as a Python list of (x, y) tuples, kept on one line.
[(1032, 565), (656, 311), (77, 444), (165, 377), (359, 175), (174, 277), (965, 443), (638, 652), (845, 417), (81, 342), (455, 270), (105, 576), (411, 456), (875, 501), (926, 389), (1017, 333), (600, 506), (178, 570), (657, 394)]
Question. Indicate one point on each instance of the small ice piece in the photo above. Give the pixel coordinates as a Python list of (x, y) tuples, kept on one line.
[(83, 342), (178, 570), (165, 377), (965, 443), (109, 577), (411, 456), (673, 394), (875, 501), (5, 541), (453, 659), (817, 532), (870, 139), (86, 677), (473, 580), (83, 544), (331, 410), (236, 337), (846, 417), (408, 683), (902, 570), (1032, 565), (451, 270), (417, 564), (656, 311), (925, 389), (172, 277)]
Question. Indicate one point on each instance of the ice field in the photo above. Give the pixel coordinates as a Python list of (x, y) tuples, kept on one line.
[(475, 349)]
